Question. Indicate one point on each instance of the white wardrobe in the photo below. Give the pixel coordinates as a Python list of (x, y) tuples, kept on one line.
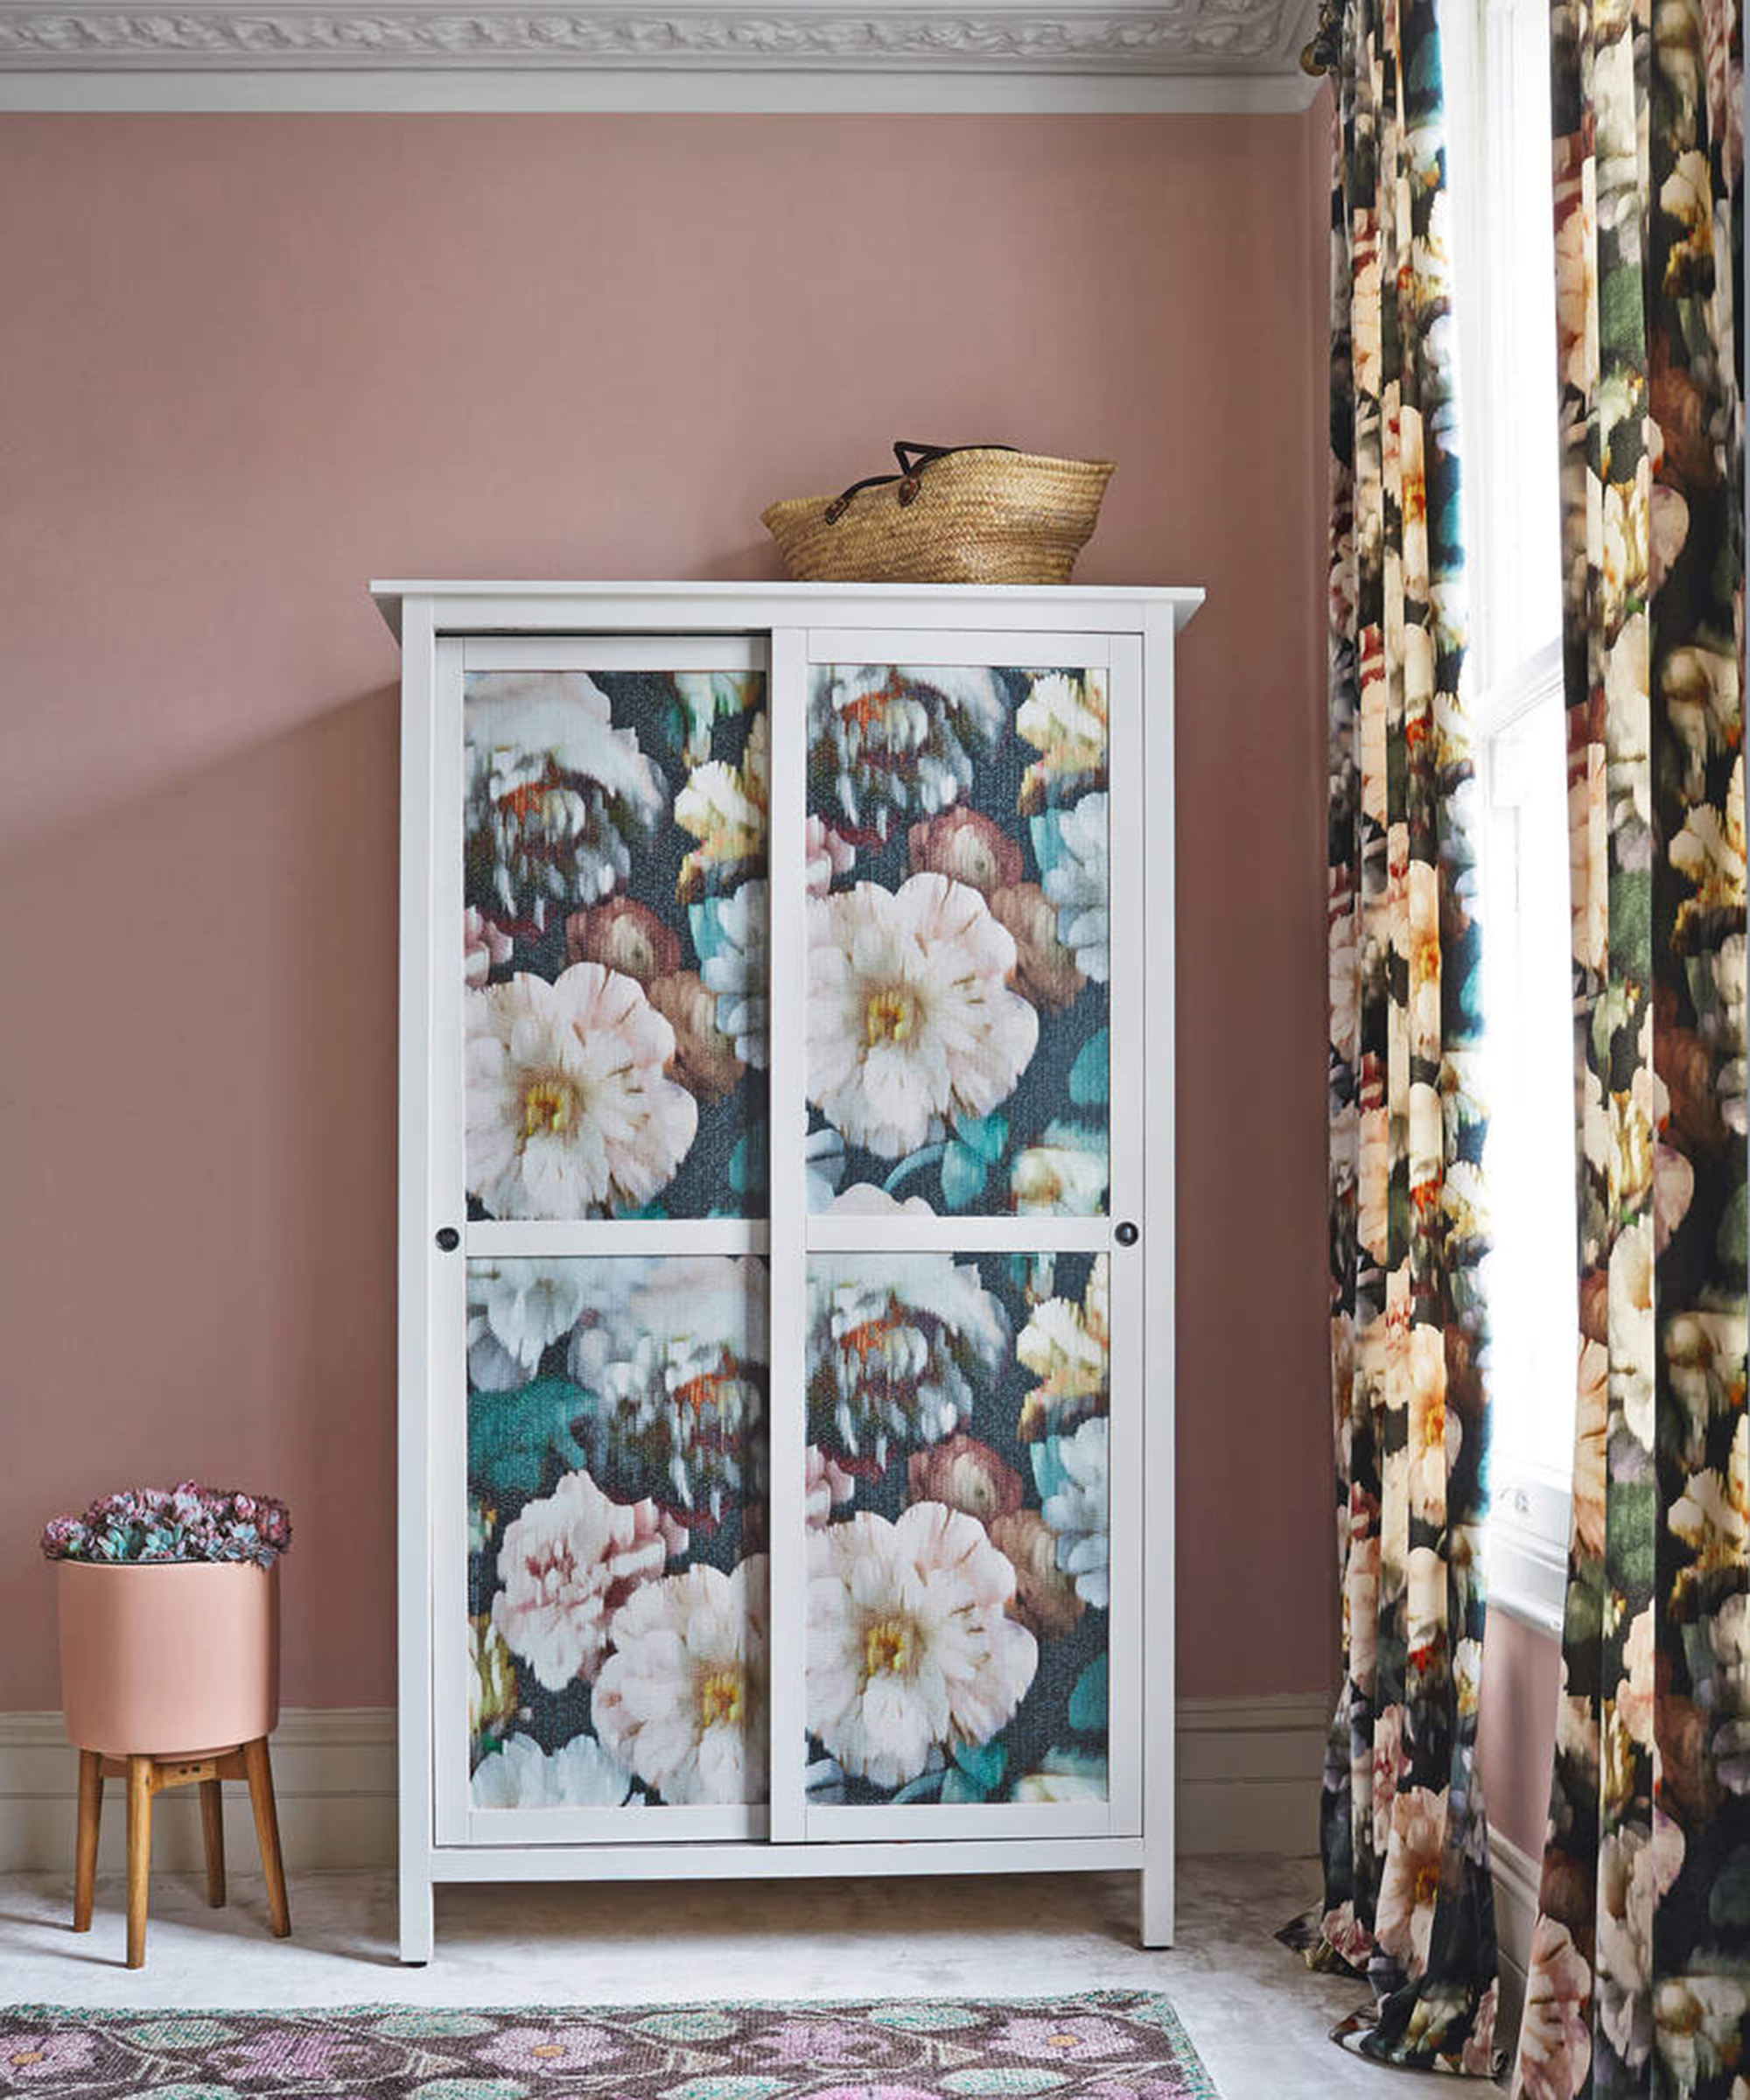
[(787, 1232)]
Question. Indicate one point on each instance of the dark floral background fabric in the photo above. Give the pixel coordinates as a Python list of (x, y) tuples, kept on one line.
[(1404, 1838), (616, 1572), (959, 1535), (958, 1504), (614, 880), (958, 951), (1640, 1970)]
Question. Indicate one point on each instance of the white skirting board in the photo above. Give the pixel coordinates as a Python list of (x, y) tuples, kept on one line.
[(1248, 1782), (333, 1771), (1515, 1874)]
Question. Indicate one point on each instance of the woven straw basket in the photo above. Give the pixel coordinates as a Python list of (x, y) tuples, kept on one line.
[(981, 513)]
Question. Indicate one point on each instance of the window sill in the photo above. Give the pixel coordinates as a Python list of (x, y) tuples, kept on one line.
[(1527, 1574)]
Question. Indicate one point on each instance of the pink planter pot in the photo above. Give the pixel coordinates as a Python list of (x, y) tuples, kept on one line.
[(174, 1659)]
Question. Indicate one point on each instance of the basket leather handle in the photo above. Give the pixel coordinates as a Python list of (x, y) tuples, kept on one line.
[(913, 459)]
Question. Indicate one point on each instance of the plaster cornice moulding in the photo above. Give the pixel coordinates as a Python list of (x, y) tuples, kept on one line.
[(1082, 39)]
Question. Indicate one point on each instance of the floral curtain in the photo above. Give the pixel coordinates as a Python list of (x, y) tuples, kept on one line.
[(1640, 1967), (1407, 1895)]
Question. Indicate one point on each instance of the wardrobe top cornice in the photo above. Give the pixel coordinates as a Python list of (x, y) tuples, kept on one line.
[(603, 606)]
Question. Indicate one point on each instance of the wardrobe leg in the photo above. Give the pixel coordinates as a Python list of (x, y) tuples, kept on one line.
[(1157, 1903)]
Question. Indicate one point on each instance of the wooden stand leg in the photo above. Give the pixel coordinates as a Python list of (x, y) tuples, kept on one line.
[(213, 1831), (139, 1855), (267, 1832), (90, 1814)]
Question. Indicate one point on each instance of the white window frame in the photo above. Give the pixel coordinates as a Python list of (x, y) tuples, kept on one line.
[(1489, 74), (1530, 1503)]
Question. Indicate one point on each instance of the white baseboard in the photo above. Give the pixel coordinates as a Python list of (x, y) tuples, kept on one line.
[(333, 1780), (1517, 1874), (1248, 1782), (1248, 1773)]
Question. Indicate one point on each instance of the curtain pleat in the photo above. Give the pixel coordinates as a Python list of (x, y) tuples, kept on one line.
[(1639, 1979), (1407, 1895)]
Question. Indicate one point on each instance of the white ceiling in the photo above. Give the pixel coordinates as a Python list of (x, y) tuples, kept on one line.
[(791, 54)]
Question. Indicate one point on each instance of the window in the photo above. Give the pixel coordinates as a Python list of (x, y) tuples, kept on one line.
[(1498, 105)]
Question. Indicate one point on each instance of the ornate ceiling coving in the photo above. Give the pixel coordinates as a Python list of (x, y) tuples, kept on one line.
[(1188, 37)]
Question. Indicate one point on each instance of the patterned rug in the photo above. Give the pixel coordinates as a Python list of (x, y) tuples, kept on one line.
[(1103, 2045)]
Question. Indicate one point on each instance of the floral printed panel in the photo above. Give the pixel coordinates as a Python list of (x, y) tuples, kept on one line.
[(958, 1592), (617, 1589), (958, 965), (614, 858)]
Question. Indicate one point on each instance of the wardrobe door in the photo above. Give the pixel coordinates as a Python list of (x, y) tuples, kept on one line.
[(972, 1016), (600, 1435)]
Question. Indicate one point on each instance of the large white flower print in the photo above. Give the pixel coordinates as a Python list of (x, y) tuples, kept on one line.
[(730, 934), (553, 791), (565, 1566), (897, 1346), (898, 742), (910, 1017), (515, 1310), (1076, 882), (1075, 1502), (580, 1775), (682, 1700), (911, 1646), (570, 1109), (681, 1377)]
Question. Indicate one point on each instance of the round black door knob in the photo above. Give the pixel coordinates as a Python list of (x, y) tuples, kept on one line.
[(1127, 1235), (448, 1238)]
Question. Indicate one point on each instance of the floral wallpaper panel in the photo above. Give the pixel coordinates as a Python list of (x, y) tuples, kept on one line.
[(958, 1532), (958, 961), (614, 943), (617, 1583)]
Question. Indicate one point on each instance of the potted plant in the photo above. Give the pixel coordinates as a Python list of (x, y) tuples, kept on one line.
[(168, 1612)]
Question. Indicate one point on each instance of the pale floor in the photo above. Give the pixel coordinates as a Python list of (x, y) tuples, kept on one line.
[(1256, 2015)]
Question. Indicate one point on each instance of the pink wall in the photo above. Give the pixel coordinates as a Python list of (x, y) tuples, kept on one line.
[(1521, 1676), (252, 362)]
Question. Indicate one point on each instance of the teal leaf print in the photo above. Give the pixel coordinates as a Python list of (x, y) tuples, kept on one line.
[(1090, 1076), (963, 1175), (1088, 1701), (510, 1434), (691, 2023), (984, 1762), (985, 1135), (747, 1161)]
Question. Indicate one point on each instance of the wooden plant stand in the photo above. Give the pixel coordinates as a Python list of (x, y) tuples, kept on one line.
[(147, 1776)]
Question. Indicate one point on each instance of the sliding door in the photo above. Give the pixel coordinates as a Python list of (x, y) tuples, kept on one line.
[(958, 1287), (602, 1574)]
